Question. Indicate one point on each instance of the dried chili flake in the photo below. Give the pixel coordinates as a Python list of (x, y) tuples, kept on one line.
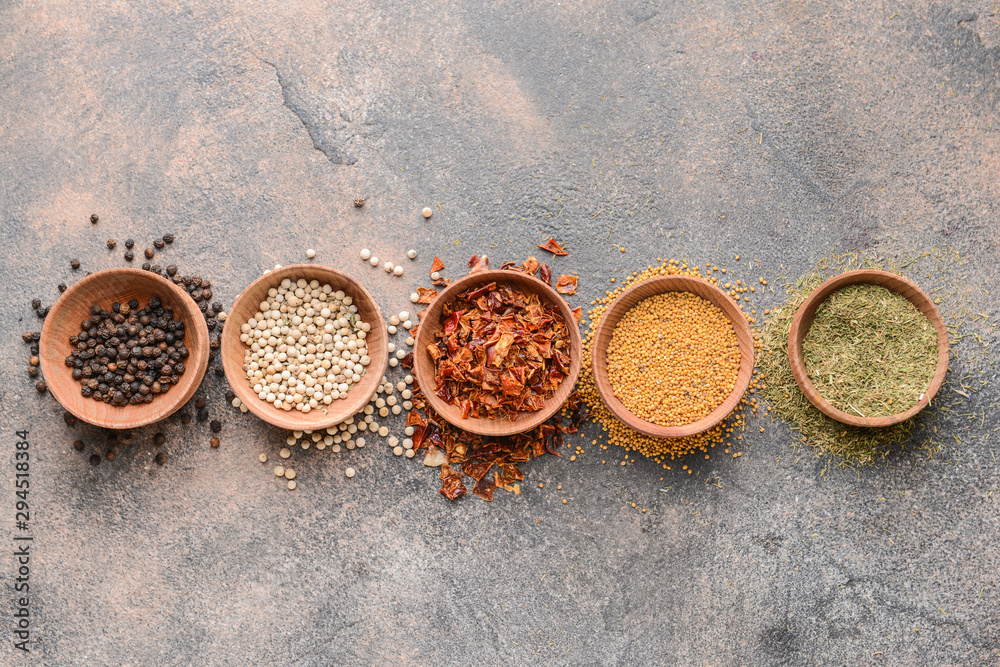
[(451, 483), (577, 314), (553, 247), (484, 488), (477, 264), (426, 294), (546, 274), (566, 284), (436, 265), (529, 265), (501, 352), (490, 462)]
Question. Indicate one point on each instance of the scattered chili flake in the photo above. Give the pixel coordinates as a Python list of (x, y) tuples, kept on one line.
[(566, 284), (553, 247), (437, 265), (501, 352), (426, 294), (577, 314), (477, 264), (546, 274), (530, 265), (491, 462), (451, 483)]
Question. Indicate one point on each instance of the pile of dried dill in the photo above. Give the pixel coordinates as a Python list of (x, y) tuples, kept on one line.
[(870, 352), (854, 445)]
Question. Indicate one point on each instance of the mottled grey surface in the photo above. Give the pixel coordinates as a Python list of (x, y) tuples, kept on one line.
[(779, 131)]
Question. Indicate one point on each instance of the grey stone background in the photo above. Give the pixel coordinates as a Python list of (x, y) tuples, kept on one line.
[(781, 131)]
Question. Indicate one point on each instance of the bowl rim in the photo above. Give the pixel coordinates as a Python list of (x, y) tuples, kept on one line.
[(802, 322), (168, 404), (676, 284), (422, 364), (235, 376)]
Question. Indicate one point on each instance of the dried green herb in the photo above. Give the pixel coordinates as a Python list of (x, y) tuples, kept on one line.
[(870, 352)]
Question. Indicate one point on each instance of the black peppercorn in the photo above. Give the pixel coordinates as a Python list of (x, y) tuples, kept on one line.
[(124, 356), (41, 387), (95, 459), (75, 263), (78, 445), (129, 243), (111, 244), (159, 439), (155, 268), (149, 252), (145, 266), (27, 336), (215, 425), (168, 238), (93, 218), (62, 287), (171, 270), (32, 372), (199, 403), (230, 395), (185, 418), (158, 244), (36, 304), (161, 458), (129, 256), (42, 312), (203, 415), (359, 202), (69, 418), (219, 372)]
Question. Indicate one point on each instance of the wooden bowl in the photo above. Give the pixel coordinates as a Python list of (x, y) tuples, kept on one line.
[(804, 319), (233, 349), (431, 324), (644, 290), (104, 288)]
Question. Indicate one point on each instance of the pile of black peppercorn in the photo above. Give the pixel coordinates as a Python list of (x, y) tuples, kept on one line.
[(92, 359), (128, 355)]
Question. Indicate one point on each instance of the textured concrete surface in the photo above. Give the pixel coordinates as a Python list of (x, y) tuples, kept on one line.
[(779, 131)]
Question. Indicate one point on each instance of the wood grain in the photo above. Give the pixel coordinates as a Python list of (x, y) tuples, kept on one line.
[(807, 312), (233, 349), (103, 288), (431, 324), (644, 290)]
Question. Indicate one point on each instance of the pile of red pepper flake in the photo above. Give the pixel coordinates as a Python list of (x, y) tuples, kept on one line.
[(462, 453), (502, 352)]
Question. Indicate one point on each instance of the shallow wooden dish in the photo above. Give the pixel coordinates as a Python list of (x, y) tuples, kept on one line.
[(804, 319), (233, 349), (644, 290), (104, 288), (431, 324)]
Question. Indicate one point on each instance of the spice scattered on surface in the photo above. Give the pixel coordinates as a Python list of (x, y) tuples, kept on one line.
[(553, 247), (427, 212), (566, 284)]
